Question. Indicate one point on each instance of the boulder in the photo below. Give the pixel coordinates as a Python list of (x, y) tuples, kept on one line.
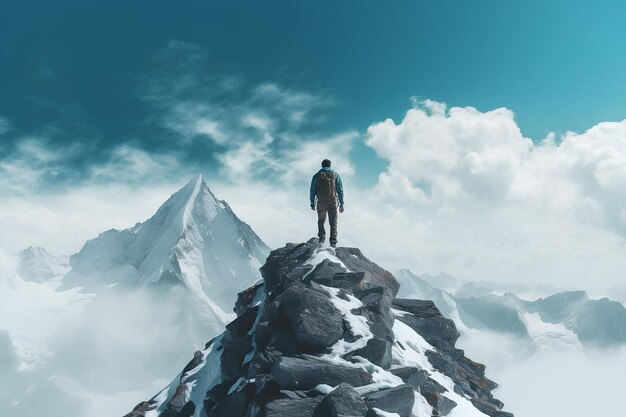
[(354, 260), (377, 351), (432, 392), (343, 401), (315, 321), (426, 319), (324, 273), (236, 343), (397, 400), (290, 407), (488, 408), (236, 403), (179, 405), (302, 374), (287, 264), (246, 297), (415, 377)]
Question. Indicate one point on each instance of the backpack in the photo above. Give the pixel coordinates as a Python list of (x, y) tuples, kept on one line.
[(326, 186)]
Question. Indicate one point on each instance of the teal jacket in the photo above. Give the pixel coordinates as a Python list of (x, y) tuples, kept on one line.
[(338, 187)]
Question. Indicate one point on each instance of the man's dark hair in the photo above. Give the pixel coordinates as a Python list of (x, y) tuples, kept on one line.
[(326, 163)]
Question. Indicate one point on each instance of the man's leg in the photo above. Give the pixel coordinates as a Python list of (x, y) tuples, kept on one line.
[(321, 219), (332, 219)]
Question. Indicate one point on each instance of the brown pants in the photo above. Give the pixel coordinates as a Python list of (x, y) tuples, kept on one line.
[(331, 209)]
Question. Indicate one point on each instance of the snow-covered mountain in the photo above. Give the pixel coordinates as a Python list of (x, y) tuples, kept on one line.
[(93, 340), (194, 240), (564, 321), (37, 265)]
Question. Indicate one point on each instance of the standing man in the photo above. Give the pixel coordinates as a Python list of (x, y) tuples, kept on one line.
[(327, 189)]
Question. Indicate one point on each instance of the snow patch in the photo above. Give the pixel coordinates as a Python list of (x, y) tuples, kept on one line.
[(551, 337), (318, 257), (381, 413)]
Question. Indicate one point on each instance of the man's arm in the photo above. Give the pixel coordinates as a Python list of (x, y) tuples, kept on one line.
[(339, 188), (313, 191)]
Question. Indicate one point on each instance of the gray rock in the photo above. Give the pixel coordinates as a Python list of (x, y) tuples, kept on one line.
[(343, 401), (351, 281), (287, 407), (377, 351), (398, 400), (488, 408), (324, 273), (179, 406), (415, 377), (302, 374), (237, 402), (378, 300), (287, 264), (236, 343), (354, 260), (432, 392), (441, 405), (245, 298), (315, 321), (428, 322), (266, 388)]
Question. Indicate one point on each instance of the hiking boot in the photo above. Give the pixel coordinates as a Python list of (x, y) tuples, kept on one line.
[(333, 244), (322, 240)]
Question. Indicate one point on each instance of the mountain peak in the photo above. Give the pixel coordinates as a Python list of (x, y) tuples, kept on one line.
[(323, 332), (193, 203), (33, 250), (37, 264), (193, 240)]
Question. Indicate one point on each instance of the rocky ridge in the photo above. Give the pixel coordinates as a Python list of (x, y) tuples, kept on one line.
[(323, 335)]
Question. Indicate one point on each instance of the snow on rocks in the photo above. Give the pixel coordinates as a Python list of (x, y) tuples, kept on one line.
[(321, 336)]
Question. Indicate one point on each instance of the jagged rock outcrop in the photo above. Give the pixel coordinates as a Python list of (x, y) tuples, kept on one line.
[(323, 335)]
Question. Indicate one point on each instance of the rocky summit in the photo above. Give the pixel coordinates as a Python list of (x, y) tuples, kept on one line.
[(323, 335)]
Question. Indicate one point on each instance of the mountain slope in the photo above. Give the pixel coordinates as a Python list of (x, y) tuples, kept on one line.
[(115, 326), (323, 335), (37, 265), (565, 321), (194, 240)]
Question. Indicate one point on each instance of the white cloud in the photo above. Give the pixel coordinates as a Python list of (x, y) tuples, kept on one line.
[(33, 160), (62, 222), (497, 205), (259, 128), (563, 384), (461, 157), (123, 189), (456, 156)]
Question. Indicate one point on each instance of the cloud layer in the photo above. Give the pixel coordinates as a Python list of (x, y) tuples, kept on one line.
[(545, 210), (463, 191)]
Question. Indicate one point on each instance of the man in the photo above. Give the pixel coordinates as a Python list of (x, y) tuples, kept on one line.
[(327, 189)]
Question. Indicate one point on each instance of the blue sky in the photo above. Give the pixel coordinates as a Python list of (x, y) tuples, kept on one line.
[(76, 69), (434, 112)]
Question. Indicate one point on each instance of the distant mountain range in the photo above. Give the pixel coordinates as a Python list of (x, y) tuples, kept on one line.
[(564, 321)]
